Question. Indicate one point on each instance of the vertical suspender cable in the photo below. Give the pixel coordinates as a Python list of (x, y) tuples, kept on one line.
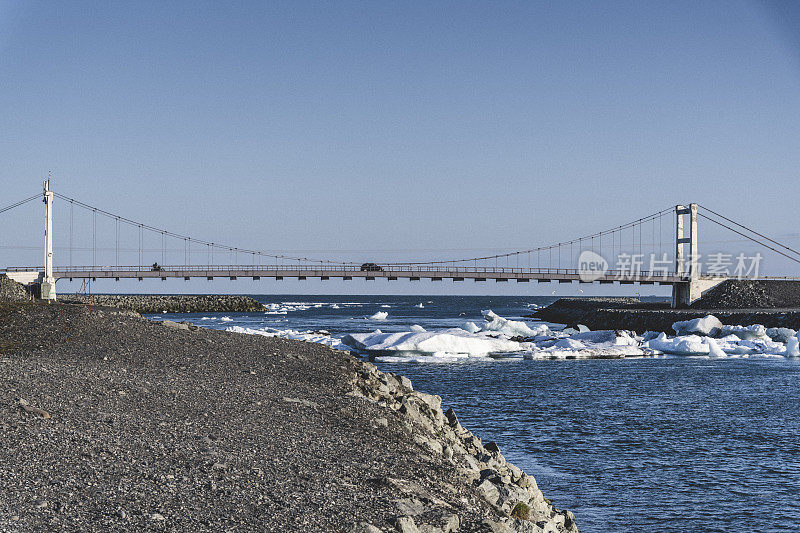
[(141, 237), (94, 237), (116, 248), (71, 212)]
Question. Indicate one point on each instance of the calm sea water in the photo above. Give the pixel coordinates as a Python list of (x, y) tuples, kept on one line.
[(664, 444)]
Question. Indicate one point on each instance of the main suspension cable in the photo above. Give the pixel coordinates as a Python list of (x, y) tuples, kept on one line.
[(21, 202), (796, 260), (167, 233), (543, 248), (750, 230)]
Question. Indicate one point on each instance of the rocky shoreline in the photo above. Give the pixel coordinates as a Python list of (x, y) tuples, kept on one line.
[(166, 427), (156, 303)]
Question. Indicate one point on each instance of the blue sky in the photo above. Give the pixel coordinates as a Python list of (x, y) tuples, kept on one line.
[(397, 130)]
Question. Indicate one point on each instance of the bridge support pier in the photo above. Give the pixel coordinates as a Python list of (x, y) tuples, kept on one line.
[(686, 293)]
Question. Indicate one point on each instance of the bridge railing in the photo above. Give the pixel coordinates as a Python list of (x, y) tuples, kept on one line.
[(322, 268)]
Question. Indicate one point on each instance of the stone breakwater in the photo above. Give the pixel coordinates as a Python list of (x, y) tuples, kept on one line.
[(154, 303), (109, 421), (630, 314), (514, 497)]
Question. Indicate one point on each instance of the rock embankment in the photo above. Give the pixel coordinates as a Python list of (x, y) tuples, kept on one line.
[(155, 303), (751, 294), (11, 291), (630, 314), (514, 497), (109, 421)]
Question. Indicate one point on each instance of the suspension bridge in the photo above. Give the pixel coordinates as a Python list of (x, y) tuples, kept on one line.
[(638, 246)]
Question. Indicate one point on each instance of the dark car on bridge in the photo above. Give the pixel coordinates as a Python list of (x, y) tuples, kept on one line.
[(371, 267)]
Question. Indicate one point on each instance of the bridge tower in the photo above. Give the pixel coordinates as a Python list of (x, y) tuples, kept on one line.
[(680, 257), (682, 293), (48, 286), (695, 284)]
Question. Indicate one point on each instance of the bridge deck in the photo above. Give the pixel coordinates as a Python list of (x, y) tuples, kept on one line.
[(413, 273)]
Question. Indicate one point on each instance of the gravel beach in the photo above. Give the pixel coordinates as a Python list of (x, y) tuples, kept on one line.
[(111, 422)]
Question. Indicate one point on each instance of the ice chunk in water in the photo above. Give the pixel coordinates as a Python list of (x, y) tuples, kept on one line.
[(685, 345), (380, 315), (471, 327), (709, 325), (793, 346), (509, 328), (781, 334), (756, 331), (451, 341), (713, 348)]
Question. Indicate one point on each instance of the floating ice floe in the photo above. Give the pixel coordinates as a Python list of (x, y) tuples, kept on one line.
[(781, 334), (226, 319), (420, 306), (793, 346), (707, 336), (584, 345), (319, 337), (679, 345), (454, 342), (497, 337), (470, 327), (708, 325), (746, 333), (511, 328)]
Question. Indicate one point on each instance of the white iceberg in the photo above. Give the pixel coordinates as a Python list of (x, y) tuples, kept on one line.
[(713, 348), (708, 326), (319, 337), (511, 328), (380, 315), (793, 346), (471, 327), (449, 341), (683, 345), (756, 331)]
